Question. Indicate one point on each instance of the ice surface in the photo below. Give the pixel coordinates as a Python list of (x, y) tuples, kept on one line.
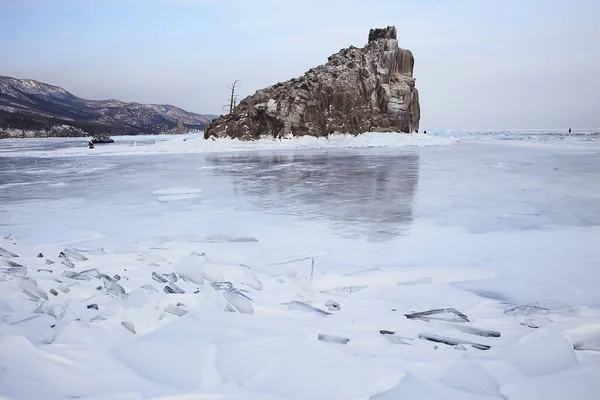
[(390, 228), (191, 267)]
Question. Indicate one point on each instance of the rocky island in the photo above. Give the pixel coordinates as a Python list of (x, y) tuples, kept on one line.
[(358, 90)]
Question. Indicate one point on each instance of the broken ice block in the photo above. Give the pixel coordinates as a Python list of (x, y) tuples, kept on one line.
[(238, 300), (68, 263), (149, 288), (474, 331), (92, 306), (301, 306), (591, 344), (191, 268), (95, 252), (229, 308), (85, 275), (222, 285), (54, 292), (158, 278), (168, 290), (451, 341), (111, 286), (40, 255), (129, 326), (173, 288), (333, 339), (251, 279), (332, 305), (19, 271), (10, 237), (117, 277), (172, 277), (136, 299), (6, 261), (441, 314), (6, 253), (64, 289), (527, 310), (396, 340), (30, 289), (74, 255), (48, 262), (175, 310)]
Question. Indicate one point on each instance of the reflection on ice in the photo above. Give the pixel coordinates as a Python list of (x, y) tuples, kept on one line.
[(370, 195)]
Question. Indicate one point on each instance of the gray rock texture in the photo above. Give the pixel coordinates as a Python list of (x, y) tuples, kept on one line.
[(358, 90)]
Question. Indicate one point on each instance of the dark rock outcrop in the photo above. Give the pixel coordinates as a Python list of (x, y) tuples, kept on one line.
[(358, 90)]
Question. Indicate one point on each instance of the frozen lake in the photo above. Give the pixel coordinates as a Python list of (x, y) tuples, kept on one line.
[(377, 267), (527, 210)]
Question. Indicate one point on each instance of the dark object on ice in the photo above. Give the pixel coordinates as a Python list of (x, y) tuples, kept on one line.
[(90, 144), (48, 262), (333, 339), (53, 326), (425, 132), (590, 344), (40, 255), (569, 130), (117, 277), (92, 306), (158, 278), (527, 310), (44, 269), (6, 253), (98, 287), (54, 292), (452, 342), (103, 137), (384, 332), (61, 255), (442, 314)]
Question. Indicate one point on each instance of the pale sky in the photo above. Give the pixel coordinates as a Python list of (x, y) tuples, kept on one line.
[(479, 64)]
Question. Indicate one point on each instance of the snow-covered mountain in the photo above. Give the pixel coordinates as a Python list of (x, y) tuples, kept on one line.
[(30, 106)]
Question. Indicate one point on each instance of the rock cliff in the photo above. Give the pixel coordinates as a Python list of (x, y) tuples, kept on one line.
[(358, 90)]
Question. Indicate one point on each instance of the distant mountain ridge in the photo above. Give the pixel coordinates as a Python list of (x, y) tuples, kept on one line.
[(36, 109)]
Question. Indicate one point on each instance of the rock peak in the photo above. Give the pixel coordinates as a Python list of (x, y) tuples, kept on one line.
[(369, 89), (382, 33)]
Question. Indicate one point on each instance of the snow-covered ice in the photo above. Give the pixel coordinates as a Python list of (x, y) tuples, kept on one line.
[(453, 265)]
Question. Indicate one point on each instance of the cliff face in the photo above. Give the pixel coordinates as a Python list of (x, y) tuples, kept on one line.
[(358, 90)]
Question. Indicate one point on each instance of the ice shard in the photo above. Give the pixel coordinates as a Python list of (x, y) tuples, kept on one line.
[(251, 280), (452, 342), (474, 331), (6, 253), (172, 277), (527, 310), (74, 255), (30, 288), (301, 306), (332, 305), (129, 326), (54, 292), (239, 301), (159, 278), (48, 262), (85, 275), (333, 339), (396, 340), (222, 285), (173, 288), (95, 252), (68, 263), (9, 263), (64, 289), (111, 286), (149, 288), (440, 314), (591, 344), (175, 310)]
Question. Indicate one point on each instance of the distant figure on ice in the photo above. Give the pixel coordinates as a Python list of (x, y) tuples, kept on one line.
[(569, 130), (90, 144), (425, 132)]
